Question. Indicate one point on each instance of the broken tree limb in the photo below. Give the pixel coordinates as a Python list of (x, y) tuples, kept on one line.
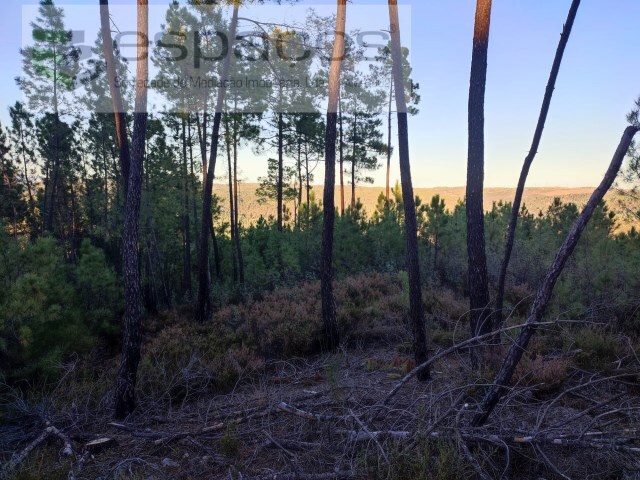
[(366, 430), (286, 408), (18, 458), (496, 391)]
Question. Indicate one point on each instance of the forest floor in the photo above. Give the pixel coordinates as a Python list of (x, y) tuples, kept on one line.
[(573, 412)]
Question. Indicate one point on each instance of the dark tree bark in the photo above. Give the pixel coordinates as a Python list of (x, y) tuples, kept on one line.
[(204, 275), (341, 140), (116, 94), (416, 308), (232, 217), (193, 184), (280, 165), (238, 240), (186, 246), (330, 322), (517, 201), (353, 165), (545, 290), (126, 380), (477, 268)]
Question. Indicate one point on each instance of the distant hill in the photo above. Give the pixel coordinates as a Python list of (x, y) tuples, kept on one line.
[(535, 198)]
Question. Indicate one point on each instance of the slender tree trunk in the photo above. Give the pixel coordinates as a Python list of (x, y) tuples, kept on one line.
[(307, 179), (186, 229), (232, 217), (299, 164), (105, 168), (387, 190), (478, 282), (517, 201), (194, 190), (331, 335), (341, 140), (55, 170), (204, 309), (126, 379), (280, 165), (416, 308), (23, 149), (545, 290), (238, 239), (353, 164)]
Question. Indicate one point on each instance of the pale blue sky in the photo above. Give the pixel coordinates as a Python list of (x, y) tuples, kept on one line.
[(598, 82)]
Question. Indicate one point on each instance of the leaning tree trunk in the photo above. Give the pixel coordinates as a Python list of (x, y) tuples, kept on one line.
[(204, 307), (416, 308), (477, 269), (126, 380), (496, 391), (330, 322), (517, 201)]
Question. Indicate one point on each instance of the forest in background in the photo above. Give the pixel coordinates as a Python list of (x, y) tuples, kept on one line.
[(154, 321)]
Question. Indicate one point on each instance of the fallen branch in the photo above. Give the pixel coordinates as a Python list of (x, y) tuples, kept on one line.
[(286, 408), (18, 458), (339, 474)]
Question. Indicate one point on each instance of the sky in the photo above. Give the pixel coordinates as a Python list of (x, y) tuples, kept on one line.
[(598, 83)]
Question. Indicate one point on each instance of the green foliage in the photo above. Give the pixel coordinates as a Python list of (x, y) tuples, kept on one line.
[(49, 308)]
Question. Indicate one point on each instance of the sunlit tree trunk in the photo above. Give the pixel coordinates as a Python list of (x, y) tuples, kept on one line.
[(477, 269), (116, 95), (331, 335), (416, 308)]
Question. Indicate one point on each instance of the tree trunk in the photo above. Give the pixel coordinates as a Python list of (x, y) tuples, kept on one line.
[(280, 166), (341, 140), (238, 240), (193, 184), (186, 229), (545, 289), (517, 201), (126, 380), (232, 217), (204, 275), (416, 308), (387, 190), (299, 165), (331, 335), (353, 165), (477, 269)]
